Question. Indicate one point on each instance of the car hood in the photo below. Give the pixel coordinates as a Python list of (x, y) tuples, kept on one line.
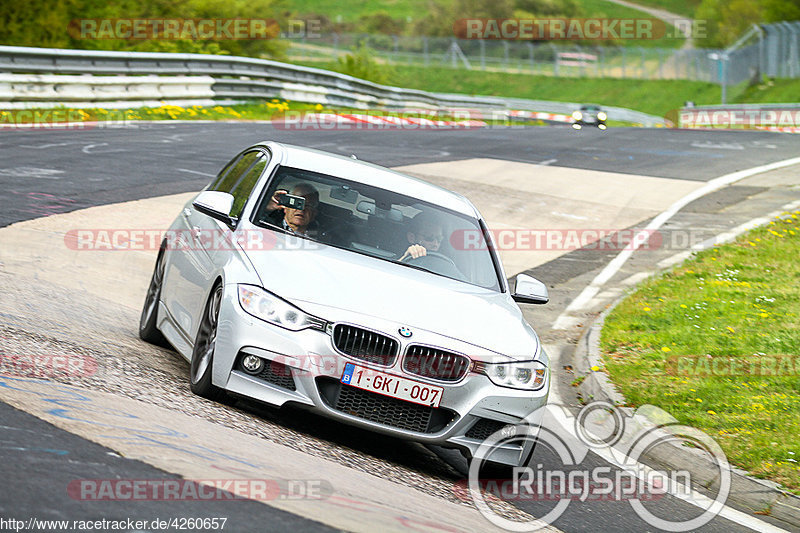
[(339, 279)]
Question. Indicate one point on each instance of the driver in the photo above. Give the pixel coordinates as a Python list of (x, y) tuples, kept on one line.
[(425, 235)]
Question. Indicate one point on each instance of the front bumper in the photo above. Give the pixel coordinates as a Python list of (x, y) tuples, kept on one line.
[(304, 368)]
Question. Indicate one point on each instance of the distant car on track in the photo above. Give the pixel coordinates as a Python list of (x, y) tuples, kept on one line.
[(339, 318), (589, 115)]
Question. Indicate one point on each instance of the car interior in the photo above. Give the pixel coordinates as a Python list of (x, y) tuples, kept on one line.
[(376, 222)]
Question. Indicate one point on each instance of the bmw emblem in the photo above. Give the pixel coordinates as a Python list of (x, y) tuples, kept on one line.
[(405, 332)]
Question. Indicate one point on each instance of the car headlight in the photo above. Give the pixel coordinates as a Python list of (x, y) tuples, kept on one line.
[(577, 115), (527, 375), (602, 115), (268, 307)]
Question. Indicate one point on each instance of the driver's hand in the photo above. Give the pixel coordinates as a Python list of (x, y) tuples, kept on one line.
[(273, 202), (414, 251)]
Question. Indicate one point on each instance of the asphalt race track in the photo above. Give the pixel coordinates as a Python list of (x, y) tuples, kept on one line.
[(60, 173)]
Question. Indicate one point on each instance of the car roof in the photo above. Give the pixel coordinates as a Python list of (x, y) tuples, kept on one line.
[(369, 174)]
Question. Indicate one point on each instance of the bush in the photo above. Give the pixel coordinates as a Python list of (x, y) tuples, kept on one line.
[(361, 64)]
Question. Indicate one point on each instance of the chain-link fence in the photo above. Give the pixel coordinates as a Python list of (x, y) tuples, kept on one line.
[(771, 50), (767, 49)]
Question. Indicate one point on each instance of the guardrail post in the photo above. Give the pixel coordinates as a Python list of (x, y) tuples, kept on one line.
[(505, 55), (793, 54), (624, 57), (643, 68), (530, 56), (555, 60)]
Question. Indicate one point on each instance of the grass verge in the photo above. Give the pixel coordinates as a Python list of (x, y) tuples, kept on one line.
[(657, 97), (716, 343), (262, 110)]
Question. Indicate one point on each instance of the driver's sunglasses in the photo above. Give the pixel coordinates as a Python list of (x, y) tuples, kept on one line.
[(431, 237)]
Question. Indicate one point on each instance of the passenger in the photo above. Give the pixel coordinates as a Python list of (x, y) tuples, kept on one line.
[(299, 221)]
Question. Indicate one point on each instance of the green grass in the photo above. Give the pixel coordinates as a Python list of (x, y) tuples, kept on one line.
[(738, 302), (263, 110), (413, 10), (606, 9), (657, 97), (351, 10), (773, 91), (679, 7)]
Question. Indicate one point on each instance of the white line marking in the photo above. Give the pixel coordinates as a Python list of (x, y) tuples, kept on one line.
[(32, 172), (44, 146), (723, 146), (676, 489), (642, 236), (196, 172), (568, 215), (87, 149)]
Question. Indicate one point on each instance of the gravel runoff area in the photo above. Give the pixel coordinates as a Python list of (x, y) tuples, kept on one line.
[(41, 320)]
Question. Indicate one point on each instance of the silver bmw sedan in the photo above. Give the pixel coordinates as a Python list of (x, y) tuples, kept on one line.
[(302, 277)]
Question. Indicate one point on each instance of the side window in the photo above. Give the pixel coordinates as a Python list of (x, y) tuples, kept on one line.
[(230, 175), (239, 178), (242, 189)]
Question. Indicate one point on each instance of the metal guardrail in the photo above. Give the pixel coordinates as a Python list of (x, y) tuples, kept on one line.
[(242, 78)]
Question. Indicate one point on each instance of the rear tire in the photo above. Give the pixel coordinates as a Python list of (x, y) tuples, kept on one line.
[(203, 353), (148, 330)]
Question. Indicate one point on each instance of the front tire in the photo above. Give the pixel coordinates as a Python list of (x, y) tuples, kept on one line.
[(203, 352), (148, 331)]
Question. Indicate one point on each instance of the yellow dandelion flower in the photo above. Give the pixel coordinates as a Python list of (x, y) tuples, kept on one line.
[(646, 309), (711, 412), (665, 349), (730, 329), (684, 306), (595, 368), (764, 315)]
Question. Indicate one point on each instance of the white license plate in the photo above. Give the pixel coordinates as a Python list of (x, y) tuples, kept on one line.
[(391, 385)]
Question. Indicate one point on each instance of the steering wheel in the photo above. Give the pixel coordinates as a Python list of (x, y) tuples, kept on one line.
[(438, 263)]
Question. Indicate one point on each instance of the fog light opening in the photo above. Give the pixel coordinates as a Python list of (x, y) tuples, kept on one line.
[(508, 431), (252, 364)]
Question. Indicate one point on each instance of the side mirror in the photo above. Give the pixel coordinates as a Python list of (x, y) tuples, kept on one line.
[(217, 205), (529, 290)]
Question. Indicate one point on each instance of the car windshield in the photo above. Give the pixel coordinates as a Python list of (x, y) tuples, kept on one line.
[(384, 224)]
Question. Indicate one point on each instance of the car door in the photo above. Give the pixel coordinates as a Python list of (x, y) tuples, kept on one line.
[(206, 246)]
